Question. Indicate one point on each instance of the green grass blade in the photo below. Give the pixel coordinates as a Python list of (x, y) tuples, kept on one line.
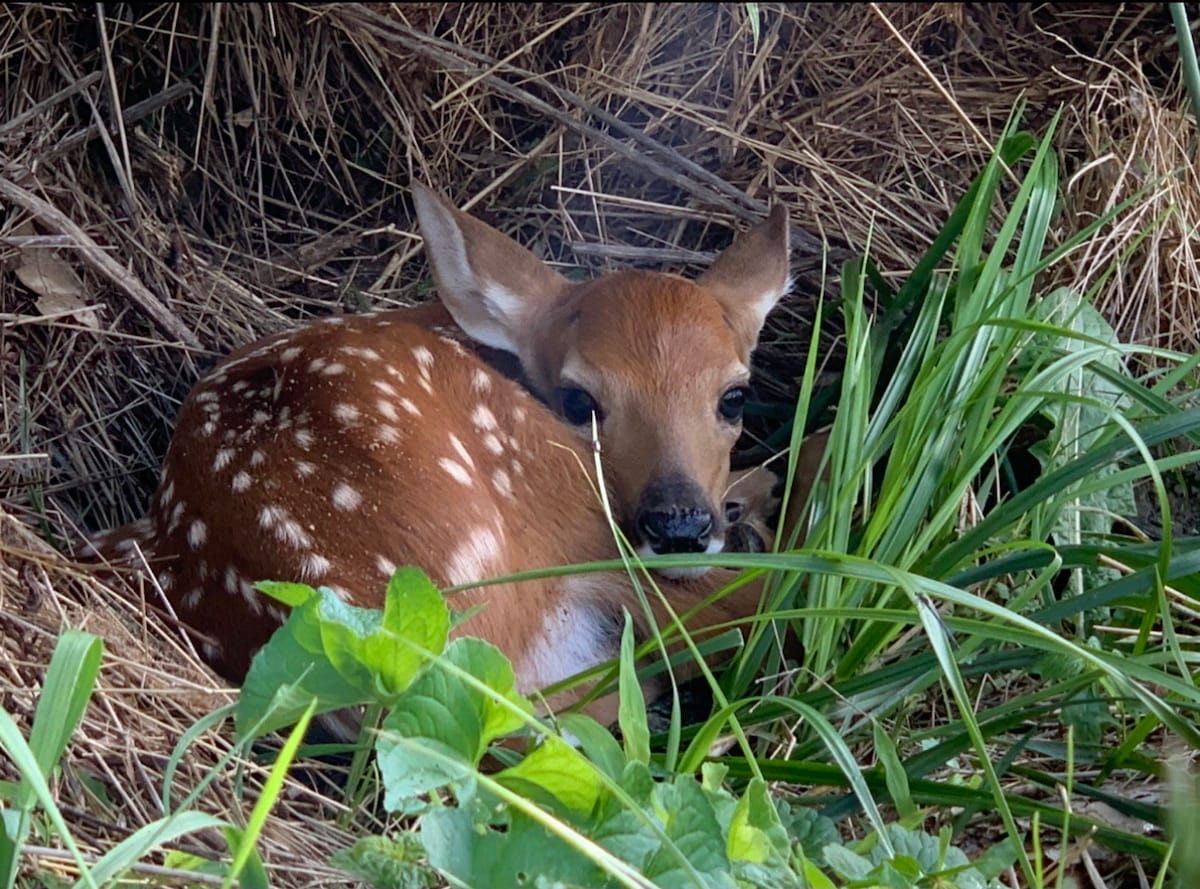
[(27, 764)]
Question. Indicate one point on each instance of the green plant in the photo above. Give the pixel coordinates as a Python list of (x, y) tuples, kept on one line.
[(67, 689), (589, 813)]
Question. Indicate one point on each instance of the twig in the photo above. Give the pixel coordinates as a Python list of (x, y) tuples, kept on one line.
[(132, 114), (49, 102), (99, 259), (642, 254), (190, 876), (937, 84)]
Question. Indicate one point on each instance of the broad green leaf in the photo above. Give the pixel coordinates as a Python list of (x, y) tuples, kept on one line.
[(756, 834), (523, 854), (288, 673), (812, 831), (596, 742), (696, 855), (556, 770), (459, 718), (343, 655), (846, 864), (290, 594), (388, 862), (415, 610)]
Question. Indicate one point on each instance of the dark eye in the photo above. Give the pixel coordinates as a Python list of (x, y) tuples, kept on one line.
[(578, 406), (732, 404)]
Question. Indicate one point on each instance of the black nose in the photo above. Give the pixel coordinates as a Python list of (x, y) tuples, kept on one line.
[(674, 517)]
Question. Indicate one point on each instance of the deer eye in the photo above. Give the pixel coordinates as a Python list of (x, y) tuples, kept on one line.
[(732, 404), (577, 406)]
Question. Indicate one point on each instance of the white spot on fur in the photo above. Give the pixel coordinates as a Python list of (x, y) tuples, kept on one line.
[(223, 458), (424, 358), (167, 494), (480, 381), (304, 469), (277, 614), (385, 387), (387, 434), (197, 534), (462, 451), (483, 417), (303, 438), (316, 364), (502, 483), (519, 414), (385, 407), (313, 566), (209, 428), (385, 565), (346, 413), (345, 497), (250, 595), (192, 600), (208, 395), (231, 580), (394, 371), (493, 444), (290, 354), (212, 650), (410, 407), (258, 458), (286, 529), (332, 370), (259, 418), (176, 517), (456, 471), (477, 557), (240, 482), (166, 580)]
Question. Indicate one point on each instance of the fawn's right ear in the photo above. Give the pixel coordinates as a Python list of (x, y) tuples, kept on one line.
[(491, 284)]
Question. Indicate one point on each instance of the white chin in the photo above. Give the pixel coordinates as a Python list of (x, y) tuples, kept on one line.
[(715, 545)]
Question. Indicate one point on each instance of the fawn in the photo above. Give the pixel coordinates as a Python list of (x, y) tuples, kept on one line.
[(335, 452)]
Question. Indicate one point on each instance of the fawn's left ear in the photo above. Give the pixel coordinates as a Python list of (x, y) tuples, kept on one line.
[(751, 275)]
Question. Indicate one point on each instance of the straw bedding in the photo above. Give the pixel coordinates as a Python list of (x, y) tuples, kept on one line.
[(178, 180)]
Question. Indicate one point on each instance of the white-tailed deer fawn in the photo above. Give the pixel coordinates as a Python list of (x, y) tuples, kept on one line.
[(334, 453)]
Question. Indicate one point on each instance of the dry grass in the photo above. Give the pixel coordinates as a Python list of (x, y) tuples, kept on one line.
[(201, 175)]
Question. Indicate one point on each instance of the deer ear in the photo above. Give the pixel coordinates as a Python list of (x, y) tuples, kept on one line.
[(491, 285), (750, 276)]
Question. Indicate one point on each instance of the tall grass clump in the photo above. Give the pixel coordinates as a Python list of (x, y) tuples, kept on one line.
[(969, 616)]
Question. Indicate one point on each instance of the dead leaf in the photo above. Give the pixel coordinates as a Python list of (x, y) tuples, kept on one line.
[(58, 288)]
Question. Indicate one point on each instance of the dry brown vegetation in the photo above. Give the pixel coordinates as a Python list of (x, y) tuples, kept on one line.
[(177, 180)]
